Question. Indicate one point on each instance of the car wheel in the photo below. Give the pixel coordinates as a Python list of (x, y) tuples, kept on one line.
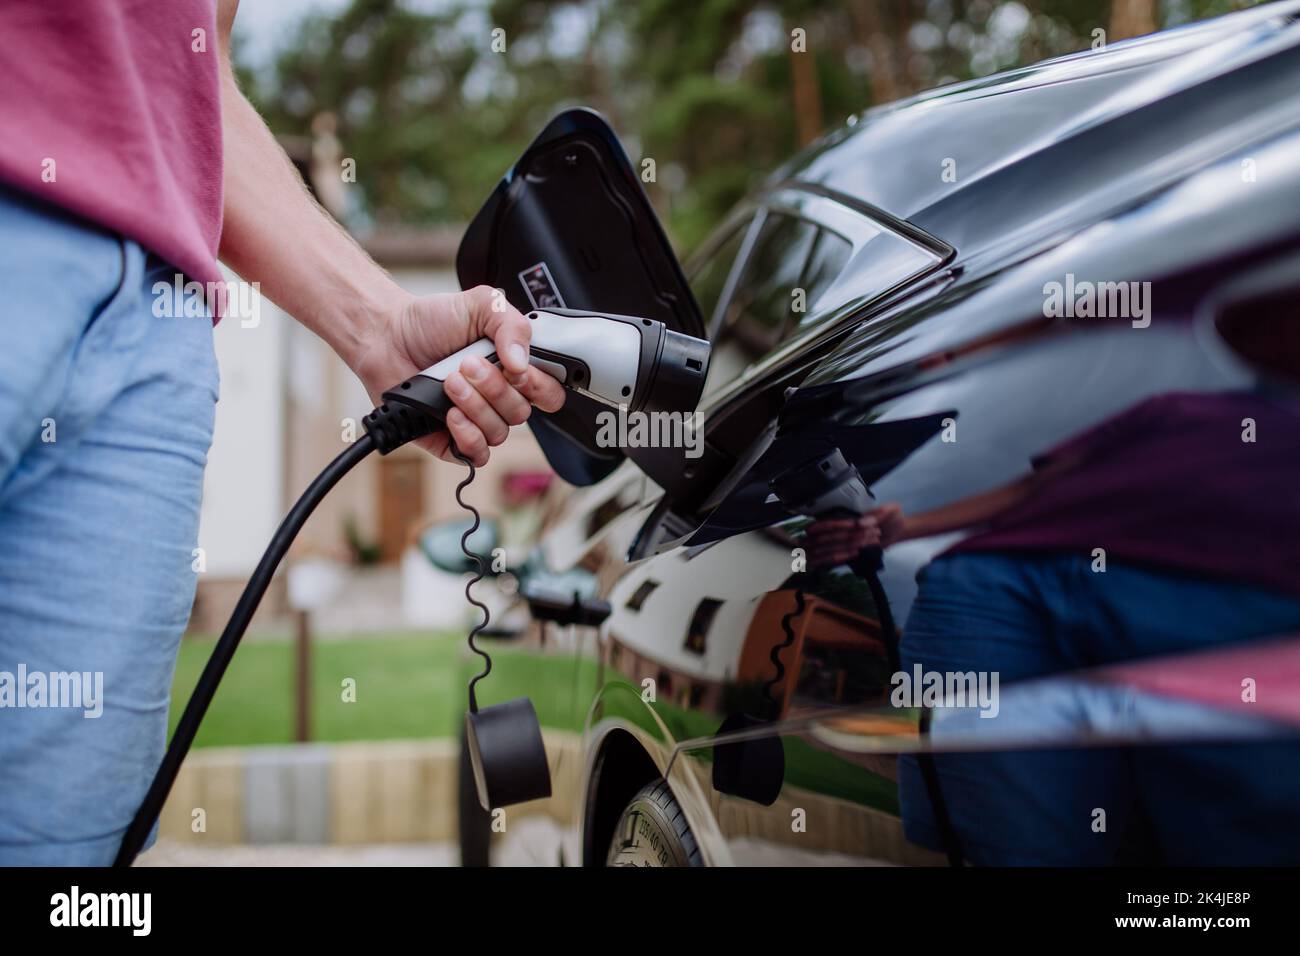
[(653, 832)]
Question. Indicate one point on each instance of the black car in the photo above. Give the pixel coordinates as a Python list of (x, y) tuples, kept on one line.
[(936, 292)]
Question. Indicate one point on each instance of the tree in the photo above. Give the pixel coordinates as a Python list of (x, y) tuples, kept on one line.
[(1132, 18), (434, 106)]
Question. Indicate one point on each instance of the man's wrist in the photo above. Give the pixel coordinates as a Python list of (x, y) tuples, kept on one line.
[(905, 528), (360, 316)]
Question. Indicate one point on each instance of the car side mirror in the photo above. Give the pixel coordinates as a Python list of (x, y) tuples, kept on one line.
[(747, 501)]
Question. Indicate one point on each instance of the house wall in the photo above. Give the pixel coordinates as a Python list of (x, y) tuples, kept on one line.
[(243, 486)]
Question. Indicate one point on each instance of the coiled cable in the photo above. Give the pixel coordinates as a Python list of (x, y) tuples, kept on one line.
[(775, 656), (482, 571)]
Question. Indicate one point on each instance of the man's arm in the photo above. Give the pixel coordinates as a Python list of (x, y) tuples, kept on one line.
[(836, 540), (275, 233), (832, 541)]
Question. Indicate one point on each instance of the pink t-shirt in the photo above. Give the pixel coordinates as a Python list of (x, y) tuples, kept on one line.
[(112, 109), (1173, 483)]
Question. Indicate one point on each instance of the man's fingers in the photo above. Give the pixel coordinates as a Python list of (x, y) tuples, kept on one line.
[(439, 445), (843, 537), (476, 408), (829, 559), (855, 530), (829, 525), (509, 331), (841, 546), (841, 525), (489, 384), (436, 444), (467, 437), (543, 391), (838, 525), (492, 315), (834, 541)]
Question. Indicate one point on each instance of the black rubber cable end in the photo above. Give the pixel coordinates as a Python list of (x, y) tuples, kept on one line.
[(392, 425)]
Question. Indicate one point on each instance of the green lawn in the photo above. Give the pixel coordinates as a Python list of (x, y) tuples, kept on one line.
[(407, 686), (413, 686)]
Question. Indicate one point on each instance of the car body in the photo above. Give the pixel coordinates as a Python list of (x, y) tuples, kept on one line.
[(927, 237)]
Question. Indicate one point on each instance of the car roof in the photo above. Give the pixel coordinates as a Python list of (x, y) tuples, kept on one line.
[(1078, 131)]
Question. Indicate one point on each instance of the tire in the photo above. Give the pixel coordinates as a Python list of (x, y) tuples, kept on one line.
[(652, 831)]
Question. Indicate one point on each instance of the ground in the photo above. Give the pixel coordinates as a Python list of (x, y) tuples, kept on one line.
[(533, 841)]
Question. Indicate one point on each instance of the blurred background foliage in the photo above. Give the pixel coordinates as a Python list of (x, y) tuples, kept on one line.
[(421, 94)]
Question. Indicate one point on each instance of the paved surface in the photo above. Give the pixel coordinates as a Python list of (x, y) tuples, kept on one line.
[(534, 841)]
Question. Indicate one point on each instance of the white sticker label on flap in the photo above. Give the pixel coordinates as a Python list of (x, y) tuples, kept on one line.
[(540, 287)]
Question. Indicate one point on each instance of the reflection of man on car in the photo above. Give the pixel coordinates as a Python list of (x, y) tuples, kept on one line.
[(1171, 527)]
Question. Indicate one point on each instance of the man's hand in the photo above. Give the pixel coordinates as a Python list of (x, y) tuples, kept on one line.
[(273, 233), (488, 400), (837, 540), (893, 524)]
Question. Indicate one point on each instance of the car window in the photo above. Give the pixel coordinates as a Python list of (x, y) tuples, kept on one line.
[(761, 309), (830, 253), (798, 240), (709, 280)]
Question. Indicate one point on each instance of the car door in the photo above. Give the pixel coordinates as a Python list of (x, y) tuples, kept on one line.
[(775, 274), (722, 633), (719, 601)]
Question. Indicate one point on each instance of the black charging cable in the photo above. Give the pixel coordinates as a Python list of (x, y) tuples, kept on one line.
[(387, 427), (482, 571)]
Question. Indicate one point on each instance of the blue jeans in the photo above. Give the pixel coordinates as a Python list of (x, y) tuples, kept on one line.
[(1026, 616), (106, 414)]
